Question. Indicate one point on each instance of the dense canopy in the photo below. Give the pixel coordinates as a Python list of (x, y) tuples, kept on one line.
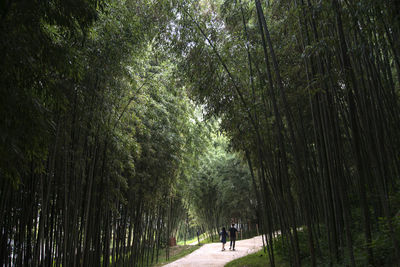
[(124, 124)]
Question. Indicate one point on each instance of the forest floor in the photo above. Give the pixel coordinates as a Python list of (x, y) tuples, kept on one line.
[(212, 256)]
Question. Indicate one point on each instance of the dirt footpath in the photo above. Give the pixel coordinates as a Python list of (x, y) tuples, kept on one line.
[(211, 254)]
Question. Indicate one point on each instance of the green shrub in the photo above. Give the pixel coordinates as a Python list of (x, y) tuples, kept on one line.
[(282, 248), (382, 244)]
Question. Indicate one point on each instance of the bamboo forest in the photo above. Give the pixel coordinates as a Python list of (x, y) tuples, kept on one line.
[(127, 126)]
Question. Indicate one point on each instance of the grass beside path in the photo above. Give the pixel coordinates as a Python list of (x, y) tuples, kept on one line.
[(192, 240), (204, 239), (208, 239), (175, 253), (258, 259)]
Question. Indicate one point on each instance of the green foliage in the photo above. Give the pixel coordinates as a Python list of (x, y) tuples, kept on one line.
[(282, 246), (258, 259), (212, 238), (98, 134), (220, 189), (381, 243), (101, 146), (308, 91)]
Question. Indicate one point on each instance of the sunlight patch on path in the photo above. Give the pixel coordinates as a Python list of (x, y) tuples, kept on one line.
[(212, 256)]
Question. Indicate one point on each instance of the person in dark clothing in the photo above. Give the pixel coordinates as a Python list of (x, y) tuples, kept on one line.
[(232, 235), (223, 235)]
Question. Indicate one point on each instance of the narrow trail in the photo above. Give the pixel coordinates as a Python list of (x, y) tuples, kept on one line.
[(210, 255)]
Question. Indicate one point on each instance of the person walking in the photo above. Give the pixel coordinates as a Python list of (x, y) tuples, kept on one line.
[(232, 235), (223, 234)]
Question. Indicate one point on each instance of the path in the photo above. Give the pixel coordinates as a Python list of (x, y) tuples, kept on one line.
[(210, 255)]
